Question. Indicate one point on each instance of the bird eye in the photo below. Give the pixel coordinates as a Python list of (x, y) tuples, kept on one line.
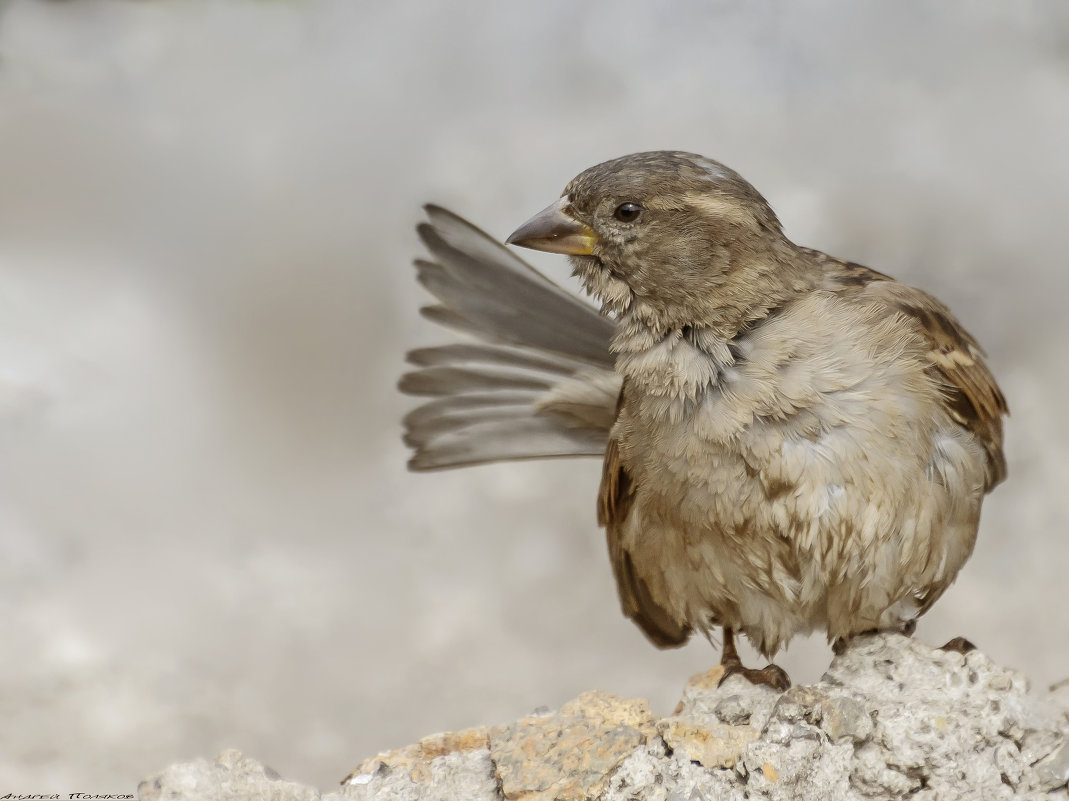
[(627, 212)]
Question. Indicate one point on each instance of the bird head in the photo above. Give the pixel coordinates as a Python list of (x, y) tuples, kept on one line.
[(664, 234)]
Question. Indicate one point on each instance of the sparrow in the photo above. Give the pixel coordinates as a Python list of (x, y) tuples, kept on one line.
[(791, 442)]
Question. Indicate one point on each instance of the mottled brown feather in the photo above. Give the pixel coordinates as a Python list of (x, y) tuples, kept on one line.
[(615, 498), (973, 397)]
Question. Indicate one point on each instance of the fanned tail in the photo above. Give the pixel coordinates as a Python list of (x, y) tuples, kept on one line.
[(541, 383)]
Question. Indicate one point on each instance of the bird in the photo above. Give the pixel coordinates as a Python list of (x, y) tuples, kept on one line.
[(790, 442)]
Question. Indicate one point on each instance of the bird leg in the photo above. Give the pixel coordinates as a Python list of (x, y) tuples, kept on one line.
[(771, 675)]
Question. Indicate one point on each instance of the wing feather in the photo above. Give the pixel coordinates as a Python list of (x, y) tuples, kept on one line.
[(615, 499), (973, 397)]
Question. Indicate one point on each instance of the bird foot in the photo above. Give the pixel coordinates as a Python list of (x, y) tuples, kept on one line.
[(771, 675), (959, 645), (906, 629)]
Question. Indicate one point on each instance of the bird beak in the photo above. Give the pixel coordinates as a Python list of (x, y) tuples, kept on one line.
[(555, 231)]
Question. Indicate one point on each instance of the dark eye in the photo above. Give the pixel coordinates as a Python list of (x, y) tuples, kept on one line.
[(627, 212)]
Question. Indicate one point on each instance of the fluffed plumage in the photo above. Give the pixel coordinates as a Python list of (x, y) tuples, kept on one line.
[(790, 441)]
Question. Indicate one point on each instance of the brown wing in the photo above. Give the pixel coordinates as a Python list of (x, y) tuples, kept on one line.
[(973, 397), (614, 504)]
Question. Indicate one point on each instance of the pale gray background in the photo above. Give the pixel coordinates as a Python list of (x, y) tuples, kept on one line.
[(207, 534)]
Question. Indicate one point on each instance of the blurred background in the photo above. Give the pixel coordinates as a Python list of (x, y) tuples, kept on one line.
[(208, 537)]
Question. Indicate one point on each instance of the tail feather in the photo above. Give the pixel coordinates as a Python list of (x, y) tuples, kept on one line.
[(437, 428), (473, 403), (504, 297), (489, 354), (455, 380), (499, 441), (541, 383)]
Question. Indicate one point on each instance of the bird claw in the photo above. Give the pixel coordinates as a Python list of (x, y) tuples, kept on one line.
[(770, 676), (958, 645), (906, 629)]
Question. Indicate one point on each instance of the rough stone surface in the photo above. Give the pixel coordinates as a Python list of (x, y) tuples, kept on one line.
[(416, 760), (230, 776), (570, 755), (891, 718)]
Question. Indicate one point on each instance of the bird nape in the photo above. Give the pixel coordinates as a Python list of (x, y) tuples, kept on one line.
[(791, 442)]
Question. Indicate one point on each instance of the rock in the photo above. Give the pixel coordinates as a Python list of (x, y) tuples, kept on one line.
[(713, 745), (1059, 694), (569, 756), (417, 759), (1054, 772), (891, 717), (230, 776), (460, 774)]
